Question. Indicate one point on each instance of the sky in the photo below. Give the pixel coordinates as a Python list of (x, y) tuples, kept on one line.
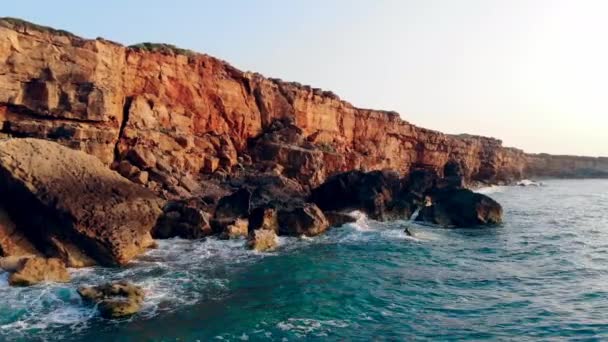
[(533, 73)]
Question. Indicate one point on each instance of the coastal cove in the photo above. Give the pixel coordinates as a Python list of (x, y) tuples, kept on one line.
[(537, 276)]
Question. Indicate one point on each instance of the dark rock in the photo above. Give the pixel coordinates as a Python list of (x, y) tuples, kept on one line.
[(264, 218), (461, 208), (182, 219), (307, 220), (233, 206), (337, 219), (373, 193)]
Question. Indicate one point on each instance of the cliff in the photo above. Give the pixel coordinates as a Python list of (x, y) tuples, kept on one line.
[(163, 115)]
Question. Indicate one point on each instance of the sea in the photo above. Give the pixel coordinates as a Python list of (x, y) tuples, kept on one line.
[(542, 275)]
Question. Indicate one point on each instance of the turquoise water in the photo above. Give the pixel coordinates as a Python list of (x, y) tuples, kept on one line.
[(543, 275)]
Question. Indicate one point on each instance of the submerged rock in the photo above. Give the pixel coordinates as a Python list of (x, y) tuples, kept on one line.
[(114, 300), (461, 208), (263, 240), (30, 271), (69, 205), (307, 220)]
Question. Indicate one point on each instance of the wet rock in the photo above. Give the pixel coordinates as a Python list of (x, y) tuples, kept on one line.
[(235, 230), (114, 300), (58, 197), (461, 208), (307, 220), (373, 193), (264, 218), (35, 270), (182, 219), (263, 240), (337, 219)]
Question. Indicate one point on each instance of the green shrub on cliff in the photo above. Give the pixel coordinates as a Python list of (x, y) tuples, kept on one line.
[(163, 48)]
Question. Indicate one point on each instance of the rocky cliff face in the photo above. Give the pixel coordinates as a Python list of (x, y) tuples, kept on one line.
[(163, 116)]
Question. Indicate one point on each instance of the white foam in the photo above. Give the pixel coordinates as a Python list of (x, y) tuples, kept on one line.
[(490, 189)]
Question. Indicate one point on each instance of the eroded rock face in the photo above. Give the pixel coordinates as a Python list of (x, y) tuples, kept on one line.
[(182, 219), (69, 205), (378, 194), (306, 220), (173, 115), (34, 270)]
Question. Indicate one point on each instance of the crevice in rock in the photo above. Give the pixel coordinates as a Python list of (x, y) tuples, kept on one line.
[(25, 111), (125, 119)]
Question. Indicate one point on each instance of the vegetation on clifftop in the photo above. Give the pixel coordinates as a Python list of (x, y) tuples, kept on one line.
[(16, 23), (163, 48)]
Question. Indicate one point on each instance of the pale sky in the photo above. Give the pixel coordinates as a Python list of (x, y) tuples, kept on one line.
[(533, 73)]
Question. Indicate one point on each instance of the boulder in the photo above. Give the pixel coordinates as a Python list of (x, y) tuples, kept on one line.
[(263, 240), (68, 204), (182, 219), (114, 300), (461, 208), (35, 270), (306, 219)]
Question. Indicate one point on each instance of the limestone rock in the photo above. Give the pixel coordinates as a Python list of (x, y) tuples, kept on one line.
[(56, 194), (115, 300), (31, 271)]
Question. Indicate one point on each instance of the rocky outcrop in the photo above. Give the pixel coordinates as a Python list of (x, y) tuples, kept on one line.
[(114, 300), (182, 219), (546, 165), (34, 270), (461, 208), (307, 220), (68, 204)]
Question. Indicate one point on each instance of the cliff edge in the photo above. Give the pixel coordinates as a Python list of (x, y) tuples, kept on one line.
[(163, 116)]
